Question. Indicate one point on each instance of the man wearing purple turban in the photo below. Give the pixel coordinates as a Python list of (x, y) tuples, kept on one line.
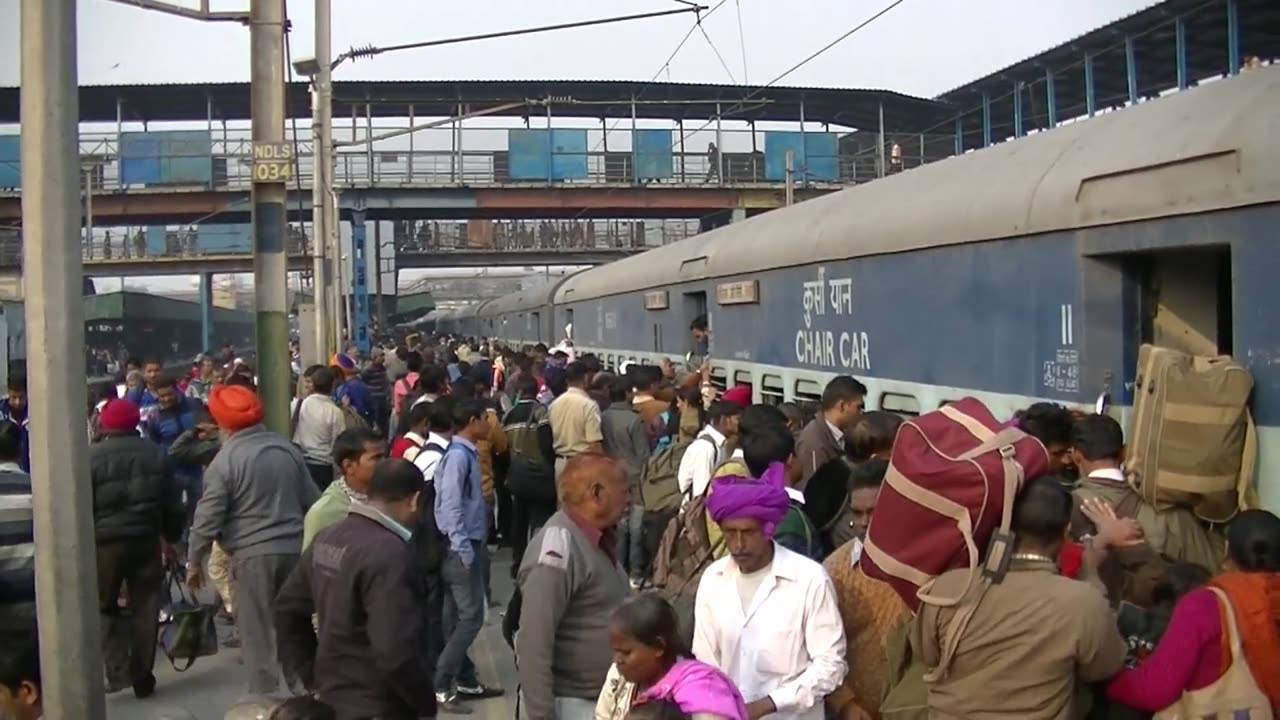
[(765, 616)]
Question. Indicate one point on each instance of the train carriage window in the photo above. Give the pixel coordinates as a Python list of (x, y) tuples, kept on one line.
[(808, 391), (743, 377), (945, 403), (719, 378), (772, 391), (900, 403)]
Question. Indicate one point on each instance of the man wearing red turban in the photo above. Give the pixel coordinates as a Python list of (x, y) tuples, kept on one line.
[(136, 506), (256, 493)]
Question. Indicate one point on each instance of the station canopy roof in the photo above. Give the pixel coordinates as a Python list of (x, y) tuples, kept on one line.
[(858, 108), (1153, 33)]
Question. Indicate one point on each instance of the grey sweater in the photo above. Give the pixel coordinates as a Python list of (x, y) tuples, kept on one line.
[(570, 588), (256, 492)]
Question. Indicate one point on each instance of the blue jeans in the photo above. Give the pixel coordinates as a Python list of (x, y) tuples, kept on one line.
[(631, 542), (463, 616)]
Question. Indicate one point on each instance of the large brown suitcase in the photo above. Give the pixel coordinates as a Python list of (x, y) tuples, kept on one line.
[(1192, 442)]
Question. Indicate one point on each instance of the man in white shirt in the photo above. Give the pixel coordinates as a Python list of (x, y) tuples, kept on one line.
[(765, 616), (706, 452), (317, 422), (439, 435)]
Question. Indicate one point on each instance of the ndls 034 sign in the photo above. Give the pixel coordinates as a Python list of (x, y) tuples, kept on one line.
[(272, 162)]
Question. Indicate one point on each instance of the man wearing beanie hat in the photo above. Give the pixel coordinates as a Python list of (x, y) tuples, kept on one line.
[(136, 505), (256, 493)]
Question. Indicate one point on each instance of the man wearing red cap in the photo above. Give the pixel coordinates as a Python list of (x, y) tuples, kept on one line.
[(256, 493), (136, 504)]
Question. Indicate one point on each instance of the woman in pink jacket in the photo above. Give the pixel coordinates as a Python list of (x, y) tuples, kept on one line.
[(651, 664)]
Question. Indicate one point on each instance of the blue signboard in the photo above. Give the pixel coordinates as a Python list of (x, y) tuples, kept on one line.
[(157, 240), (10, 162), (171, 157), (814, 155), (652, 153), (543, 155), (232, 238)]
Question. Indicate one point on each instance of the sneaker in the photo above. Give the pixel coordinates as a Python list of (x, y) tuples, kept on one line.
[(448, 702), (478, 692)]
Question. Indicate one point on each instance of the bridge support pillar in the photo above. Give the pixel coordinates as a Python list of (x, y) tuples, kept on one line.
[(737, 215), (206, 312), (359, 283)]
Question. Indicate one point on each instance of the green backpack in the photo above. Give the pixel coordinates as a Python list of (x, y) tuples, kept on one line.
[(659, 486)]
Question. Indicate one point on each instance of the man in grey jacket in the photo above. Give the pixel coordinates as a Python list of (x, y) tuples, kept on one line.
[(571, 569), (256, 493), (626, 439)]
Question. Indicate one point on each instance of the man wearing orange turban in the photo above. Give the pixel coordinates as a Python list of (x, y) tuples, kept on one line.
[(256, 492), (235, 407)]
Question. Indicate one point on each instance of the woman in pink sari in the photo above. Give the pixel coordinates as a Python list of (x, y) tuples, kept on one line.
[(650, 664)]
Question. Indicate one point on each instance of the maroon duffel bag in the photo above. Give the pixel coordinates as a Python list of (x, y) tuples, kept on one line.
[(947, 499)]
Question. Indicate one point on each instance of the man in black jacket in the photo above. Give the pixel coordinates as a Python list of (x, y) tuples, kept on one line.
[(136, 504), (370, 656)]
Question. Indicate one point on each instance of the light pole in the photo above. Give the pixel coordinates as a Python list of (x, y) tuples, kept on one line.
[(320, 70), (273, 163), (52, 271)]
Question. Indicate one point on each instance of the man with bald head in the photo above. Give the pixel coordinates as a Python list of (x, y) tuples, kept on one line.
[(571, 568)]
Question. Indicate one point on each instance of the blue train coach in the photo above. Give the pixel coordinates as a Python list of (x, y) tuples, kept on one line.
[(1030, 270)]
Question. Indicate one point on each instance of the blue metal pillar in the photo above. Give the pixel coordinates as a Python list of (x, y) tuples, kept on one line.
[(959, 135), (1131, 69), (1180, 47), (1051, 99), (1090, 94), (1017, 109), (359, 284), (206, 312), (1233, 37), (986, 120)]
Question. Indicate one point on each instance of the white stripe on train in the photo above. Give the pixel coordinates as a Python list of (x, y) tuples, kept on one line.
[(900, 395)]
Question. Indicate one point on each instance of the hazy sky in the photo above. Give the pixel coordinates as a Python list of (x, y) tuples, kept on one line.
[(921, 47)]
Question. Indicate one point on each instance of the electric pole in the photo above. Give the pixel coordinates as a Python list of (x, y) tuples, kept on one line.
[(53, 272), (272, 168), (321, 182)]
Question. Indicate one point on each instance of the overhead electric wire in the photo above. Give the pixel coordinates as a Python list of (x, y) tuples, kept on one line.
[(665, 66), (719, 57), (756, 91), (810, 58), (742, 43), (370, 50)]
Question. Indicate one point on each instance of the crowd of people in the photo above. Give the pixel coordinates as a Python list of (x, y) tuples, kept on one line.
[(677, 550)]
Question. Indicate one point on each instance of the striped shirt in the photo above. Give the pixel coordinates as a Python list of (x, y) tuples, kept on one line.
[(17, 546)]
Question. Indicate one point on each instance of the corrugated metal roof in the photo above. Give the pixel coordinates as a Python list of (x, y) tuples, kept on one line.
[(581, 98)]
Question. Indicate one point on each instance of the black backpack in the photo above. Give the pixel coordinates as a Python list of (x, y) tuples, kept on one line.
[(430, 544)]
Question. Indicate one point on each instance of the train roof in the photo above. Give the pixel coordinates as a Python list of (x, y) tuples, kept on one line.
[(1208, 148), (527, 299)]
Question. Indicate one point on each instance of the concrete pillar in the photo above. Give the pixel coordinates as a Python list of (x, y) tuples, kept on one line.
[(207, 341)]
